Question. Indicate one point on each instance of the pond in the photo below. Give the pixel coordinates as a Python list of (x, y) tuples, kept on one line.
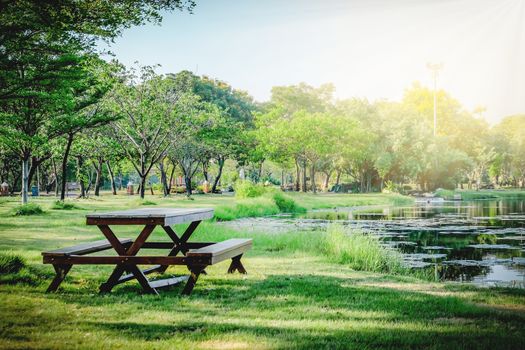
[(480, 242)]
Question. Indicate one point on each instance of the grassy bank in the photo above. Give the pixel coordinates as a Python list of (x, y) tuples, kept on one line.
[(481, 194), (302, 291)]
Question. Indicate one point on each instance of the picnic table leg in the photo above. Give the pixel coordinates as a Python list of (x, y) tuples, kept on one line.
[(119, 270), (179, 242), (236, 264), (194, 276), (61, 272)]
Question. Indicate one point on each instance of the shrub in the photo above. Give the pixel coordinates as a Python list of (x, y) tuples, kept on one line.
[(11, 263), (28, 209), (286, 204), (361, 251), (247, 189), (60, 205)]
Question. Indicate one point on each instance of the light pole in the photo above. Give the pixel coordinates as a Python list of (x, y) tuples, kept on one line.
[(435, 68)]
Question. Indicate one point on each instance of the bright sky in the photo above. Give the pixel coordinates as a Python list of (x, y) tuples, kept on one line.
[(366, 48)]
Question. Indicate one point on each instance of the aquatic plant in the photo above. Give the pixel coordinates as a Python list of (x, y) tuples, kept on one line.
[(361, 251)]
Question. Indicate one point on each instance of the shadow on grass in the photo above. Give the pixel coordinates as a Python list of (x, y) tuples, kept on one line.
[(301, 311)]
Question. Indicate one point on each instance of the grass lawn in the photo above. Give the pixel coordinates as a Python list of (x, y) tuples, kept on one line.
[(292, 297)]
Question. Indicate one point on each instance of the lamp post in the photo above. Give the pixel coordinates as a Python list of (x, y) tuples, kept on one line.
[(435, 68)]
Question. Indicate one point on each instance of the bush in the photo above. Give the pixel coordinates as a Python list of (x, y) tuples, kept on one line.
[(286, 204), (28, 209), (60, 205), (361, 251), (247, 189), (11, 263)]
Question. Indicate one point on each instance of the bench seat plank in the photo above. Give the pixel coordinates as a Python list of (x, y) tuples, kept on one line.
[(85, 248), (218, 252)]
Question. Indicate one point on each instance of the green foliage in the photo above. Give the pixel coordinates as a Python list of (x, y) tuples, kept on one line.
[(252, 207), (360, 251), (62, 205), (28, 209), (287, 204), (247, 189), (11, 263)]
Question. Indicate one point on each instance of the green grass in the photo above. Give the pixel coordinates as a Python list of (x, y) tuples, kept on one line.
[(481, 194), (27, 209), (297, 294), (63, 205)]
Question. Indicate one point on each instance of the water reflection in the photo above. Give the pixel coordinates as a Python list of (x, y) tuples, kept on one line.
[(474, 241)]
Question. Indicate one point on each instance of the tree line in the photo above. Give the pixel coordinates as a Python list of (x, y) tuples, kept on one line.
[(68, 114)]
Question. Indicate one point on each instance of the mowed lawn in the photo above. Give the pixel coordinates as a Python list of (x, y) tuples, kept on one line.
[(292, 297)]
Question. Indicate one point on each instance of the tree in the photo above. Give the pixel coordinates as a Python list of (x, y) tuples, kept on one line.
[(82, 108), (148, 121), (41, 44), (197, 121)]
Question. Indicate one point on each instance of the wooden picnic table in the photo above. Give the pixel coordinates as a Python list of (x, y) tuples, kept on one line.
[(195, 255)]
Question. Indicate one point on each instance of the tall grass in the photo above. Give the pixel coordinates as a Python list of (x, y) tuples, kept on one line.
[(61, 205), (360, 251), (271, 203), (28, 209), (252, 207), (11, 263), (481, 194)]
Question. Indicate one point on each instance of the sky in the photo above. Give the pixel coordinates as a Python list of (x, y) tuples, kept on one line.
[(372, 49)]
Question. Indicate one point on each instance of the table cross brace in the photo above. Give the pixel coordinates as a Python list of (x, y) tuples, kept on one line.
[(119, 270)]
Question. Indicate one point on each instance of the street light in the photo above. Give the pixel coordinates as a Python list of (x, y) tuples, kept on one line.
[(435, 68)]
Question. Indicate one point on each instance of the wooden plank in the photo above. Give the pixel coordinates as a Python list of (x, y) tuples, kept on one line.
[(220, 251), (169, 245), (157, 216), (115, 260), (168, 282), (86, 248)]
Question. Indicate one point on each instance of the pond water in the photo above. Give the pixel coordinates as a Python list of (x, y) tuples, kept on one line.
[(481, 242)]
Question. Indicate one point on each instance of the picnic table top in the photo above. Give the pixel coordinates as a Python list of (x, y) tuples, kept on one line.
[(158, 216)]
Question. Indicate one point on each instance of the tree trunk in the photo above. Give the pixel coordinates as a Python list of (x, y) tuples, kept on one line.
[(221, 161), (338, 177), (142, 186), (205, 170), (297, 176), (111, 178), (187, 181), (98, 179), (80, 177), (56, 175), (326, 181), (25, 179), (163, 179), (16, 179), (170, 182), (303, 184), (64, 166), (282, 179), (35, 163), (312, 179)]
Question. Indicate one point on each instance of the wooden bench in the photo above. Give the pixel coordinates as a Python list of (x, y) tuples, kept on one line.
[(56, 257), (199, 259)]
